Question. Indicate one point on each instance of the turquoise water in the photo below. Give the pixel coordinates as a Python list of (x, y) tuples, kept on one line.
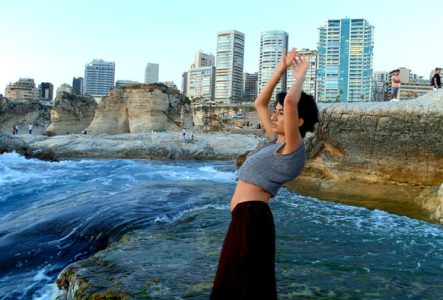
[(53, 214)]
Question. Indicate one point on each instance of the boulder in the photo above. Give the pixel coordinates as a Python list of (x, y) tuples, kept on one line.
[(71, 114), (383, 150), (141, 108)]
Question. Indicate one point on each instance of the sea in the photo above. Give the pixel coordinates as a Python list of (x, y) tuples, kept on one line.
[(53, 214)]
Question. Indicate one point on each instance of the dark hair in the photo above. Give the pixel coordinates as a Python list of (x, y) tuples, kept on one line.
[(307, 110)]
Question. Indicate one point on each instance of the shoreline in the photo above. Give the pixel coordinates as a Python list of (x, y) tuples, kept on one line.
[(388, 196), (156, 145)]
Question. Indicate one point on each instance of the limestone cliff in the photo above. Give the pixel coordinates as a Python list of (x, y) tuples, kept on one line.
[(71, 113), (23, 113), (141, 108), (383, 150)]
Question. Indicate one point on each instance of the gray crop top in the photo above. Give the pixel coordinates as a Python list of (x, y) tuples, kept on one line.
[(269, 170)]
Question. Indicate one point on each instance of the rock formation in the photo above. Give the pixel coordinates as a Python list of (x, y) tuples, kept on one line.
[(71, 114), (159, 145), (382, 150), (141, 108), (23, 113)]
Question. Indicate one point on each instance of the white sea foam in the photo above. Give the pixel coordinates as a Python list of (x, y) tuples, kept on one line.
[(41, 275), (353, 218), (48, 291), (185, 173)]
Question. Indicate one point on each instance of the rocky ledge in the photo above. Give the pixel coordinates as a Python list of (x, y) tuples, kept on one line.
[(388, 151), (157, 145)]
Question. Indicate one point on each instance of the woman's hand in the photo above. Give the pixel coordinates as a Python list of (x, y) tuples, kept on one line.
[(300, 66), (286, 60)]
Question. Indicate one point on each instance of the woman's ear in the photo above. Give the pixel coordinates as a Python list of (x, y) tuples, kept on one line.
[(301, 121)]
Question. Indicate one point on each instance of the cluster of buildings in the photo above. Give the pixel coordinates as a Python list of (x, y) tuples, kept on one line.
[(99, 78), (340, 70), (222, 79), (25, 89)]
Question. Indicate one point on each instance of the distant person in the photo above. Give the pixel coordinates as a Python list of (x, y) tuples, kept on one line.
[(246, 268), (30, 128), (13, 130), (17, 129), (395, 84), (436, 80)]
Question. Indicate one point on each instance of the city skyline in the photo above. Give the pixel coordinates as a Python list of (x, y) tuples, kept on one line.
[(131, 35)]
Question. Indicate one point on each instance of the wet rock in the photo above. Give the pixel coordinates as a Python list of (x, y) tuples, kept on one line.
[(359, 147), (173, 263)]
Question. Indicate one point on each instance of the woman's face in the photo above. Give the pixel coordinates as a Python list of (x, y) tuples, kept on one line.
[(277, 119)]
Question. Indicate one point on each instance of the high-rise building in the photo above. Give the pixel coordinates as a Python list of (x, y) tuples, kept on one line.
[(23, 89), (250, 86), (272, 44), (380, 86), (345, 50), (203, 60), (184, 83), (201, 77), (99, 77), (229, 71), (201, 83), (151, 73), (310, 84), (46, 90), (78, 85)]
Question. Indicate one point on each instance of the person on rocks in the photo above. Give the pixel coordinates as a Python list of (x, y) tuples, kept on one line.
[(30, 128), (16, 129), (13, 130), (436, 80), (246, 268), (395, 84)]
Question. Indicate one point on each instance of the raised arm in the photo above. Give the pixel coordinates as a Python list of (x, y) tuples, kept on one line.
[(293, 137), (262, 101)]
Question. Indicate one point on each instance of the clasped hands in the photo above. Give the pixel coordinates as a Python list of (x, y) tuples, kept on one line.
[(298, 63)]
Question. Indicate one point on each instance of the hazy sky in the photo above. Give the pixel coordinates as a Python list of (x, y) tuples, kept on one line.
[(52, 40)]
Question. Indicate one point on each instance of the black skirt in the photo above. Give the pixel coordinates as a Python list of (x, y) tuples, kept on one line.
[(246, 269)]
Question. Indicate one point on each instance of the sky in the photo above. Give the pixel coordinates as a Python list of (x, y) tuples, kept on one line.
[(53, 40)]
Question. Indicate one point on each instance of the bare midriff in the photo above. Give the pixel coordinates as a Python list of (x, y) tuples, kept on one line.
[(246, 191)]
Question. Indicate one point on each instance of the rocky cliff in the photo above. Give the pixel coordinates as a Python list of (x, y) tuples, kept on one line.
[(23, 113), (141, 108), (71, 114), (385, 150)]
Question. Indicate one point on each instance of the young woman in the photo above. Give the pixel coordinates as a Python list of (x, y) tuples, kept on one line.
[(246, 267)]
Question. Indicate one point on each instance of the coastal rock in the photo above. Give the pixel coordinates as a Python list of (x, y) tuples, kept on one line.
[(128, 270), (9, 143), (159, 145), (383, 150), (71, 114), (141, 108), (111, 115), (23, 113)]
